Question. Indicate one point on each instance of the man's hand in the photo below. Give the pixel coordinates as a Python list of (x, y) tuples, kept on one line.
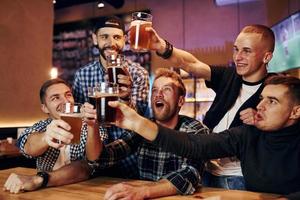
[(125, 84), (89, 113), (127, 118), (156, 42), (57, 134), (125, 191), (248, 116), (20, 183)]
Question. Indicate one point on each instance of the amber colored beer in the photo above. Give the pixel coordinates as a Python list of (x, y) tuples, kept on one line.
[(113, 73), (139, 38), (75, 121), (106, 115)]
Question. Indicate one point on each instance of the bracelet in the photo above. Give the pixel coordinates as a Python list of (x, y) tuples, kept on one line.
[(45, 177), (168, 51)]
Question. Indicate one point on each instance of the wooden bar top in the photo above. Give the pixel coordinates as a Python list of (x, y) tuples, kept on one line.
[(8, 148), (95, 189)]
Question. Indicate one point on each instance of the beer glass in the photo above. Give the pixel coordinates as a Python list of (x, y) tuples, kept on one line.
[(115, 67), (70, 113), (106, 92), (91, 94), (139, 38)]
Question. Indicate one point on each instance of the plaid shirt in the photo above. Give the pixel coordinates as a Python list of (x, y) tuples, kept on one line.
[(154, 163), (47, 160), (93, 73)]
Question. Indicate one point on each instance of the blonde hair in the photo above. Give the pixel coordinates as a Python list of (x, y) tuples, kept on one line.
[(267, 34)]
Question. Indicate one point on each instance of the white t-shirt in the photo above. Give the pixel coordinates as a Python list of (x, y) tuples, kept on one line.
[(63, 158), (230, 166)]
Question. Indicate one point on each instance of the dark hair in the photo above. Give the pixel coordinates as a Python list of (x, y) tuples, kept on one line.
[(164, 72), (49, 83), (111, 21), (266, 32), (292, 83)]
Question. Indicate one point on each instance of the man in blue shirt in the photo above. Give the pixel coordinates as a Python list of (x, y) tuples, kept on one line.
[(109, 37)]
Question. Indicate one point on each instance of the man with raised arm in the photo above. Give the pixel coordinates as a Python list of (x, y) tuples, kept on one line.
[(269, 151), (237, 90)]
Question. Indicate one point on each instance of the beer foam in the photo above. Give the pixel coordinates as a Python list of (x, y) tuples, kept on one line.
[(139, 22), (115, 67), (102, 94), (76, 115)]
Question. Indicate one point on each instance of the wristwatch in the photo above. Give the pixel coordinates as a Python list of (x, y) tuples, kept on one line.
[(45, 177), (93, 165)]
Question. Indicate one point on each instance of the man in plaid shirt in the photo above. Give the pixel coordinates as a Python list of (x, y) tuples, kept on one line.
[(41, 140), (173, 174), (109, 37)]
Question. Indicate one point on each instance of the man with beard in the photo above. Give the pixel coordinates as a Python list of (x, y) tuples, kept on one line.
[(109, 37), (269, 151), (174, 174), (237, 91)]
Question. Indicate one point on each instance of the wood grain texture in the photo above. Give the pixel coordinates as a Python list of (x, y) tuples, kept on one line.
[(95, 189)]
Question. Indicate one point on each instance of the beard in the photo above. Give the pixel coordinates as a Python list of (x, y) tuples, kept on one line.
[(102, 50), (165, 113)]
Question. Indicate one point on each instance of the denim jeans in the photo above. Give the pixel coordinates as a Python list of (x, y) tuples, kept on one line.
[(227, 182)]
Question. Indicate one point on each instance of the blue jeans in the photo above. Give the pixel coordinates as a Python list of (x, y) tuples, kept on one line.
[(227, 182)]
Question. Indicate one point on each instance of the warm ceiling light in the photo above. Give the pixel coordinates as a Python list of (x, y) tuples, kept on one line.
[(54, 73), (54, 1), (100, 4)]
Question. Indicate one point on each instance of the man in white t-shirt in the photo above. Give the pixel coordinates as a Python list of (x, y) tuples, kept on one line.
[(237, 90)]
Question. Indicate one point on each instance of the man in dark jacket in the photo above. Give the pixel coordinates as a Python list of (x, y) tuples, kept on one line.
[(269, 151)]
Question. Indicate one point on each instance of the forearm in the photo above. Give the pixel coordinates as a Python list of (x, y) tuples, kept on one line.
[(35, 144), (159, 189), (75, 172), (146, 128), (199, 146), (94, 144), (188, 62)]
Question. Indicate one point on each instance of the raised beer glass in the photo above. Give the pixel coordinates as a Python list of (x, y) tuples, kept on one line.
[(70, 113), (106, 92), (139, 38), (115, 66)]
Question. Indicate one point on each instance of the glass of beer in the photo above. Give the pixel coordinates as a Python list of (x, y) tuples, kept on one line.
[(139, 38), (106, 92), (115, 66), (91, 94), (70, 113)]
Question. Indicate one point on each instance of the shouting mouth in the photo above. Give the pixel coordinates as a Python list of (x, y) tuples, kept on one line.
[(258, 117)]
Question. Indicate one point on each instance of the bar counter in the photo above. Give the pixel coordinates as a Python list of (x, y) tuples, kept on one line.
[(95, 189)]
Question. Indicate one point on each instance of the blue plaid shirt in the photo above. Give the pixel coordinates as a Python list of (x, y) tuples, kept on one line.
[(47, 160), (93, 73), (154, 163)]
